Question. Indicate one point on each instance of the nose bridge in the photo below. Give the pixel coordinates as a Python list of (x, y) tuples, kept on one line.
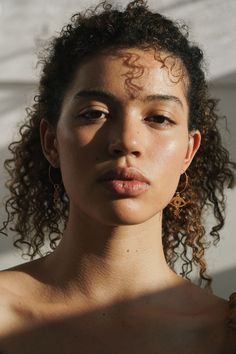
[(129, 128), (126, 134)]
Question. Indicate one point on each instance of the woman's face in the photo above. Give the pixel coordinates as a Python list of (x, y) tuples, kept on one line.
[(121, 119)]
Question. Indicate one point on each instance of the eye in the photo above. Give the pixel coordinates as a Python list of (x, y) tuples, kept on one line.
[(93, 115), (160, 119)]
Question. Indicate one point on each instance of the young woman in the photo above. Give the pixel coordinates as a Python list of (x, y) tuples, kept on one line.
[(118, 160)]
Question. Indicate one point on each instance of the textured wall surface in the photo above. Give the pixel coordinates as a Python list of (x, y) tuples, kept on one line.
[(25, 24)]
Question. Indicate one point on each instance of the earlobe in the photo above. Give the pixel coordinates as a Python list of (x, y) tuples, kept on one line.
[(49, 142)]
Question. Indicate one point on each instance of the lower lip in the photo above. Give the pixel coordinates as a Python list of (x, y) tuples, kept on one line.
[(126, 188)]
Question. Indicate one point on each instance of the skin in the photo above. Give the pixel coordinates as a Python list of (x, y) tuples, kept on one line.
[(111, 251)]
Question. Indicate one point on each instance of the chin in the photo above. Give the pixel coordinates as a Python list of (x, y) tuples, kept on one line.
[(123, 213)]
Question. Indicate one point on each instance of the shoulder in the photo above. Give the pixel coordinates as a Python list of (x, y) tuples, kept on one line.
[(232, 308), (9, 320), (22, 280), (232, 312), (13, 284), (204, 301), (231, 324), (15, 289)]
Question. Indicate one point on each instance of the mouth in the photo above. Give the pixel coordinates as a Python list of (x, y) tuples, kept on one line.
[(125, 181), (124, 174)]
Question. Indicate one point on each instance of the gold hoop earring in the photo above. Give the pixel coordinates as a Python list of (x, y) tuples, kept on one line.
[(57, 190), (178, 201)]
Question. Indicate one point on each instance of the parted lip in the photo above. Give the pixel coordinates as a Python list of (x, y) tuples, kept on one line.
[(123, 174)]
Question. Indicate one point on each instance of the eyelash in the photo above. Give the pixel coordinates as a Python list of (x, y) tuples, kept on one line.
[(164, 118), (83, 115)]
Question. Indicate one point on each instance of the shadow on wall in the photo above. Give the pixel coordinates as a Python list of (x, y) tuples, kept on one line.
[(224, 282), (140, 325)]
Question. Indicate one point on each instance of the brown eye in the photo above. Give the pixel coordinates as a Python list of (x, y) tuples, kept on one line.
[(160, 119), (93, 115)]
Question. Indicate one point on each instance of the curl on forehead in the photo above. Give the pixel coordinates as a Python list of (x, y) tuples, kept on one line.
[(173, 67)]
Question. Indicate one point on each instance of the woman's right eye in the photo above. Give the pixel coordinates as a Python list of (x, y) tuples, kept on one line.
[(93, 115)]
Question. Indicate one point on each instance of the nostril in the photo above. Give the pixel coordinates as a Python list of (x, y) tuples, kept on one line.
[(120, 148), (136, 153), (125, 152)]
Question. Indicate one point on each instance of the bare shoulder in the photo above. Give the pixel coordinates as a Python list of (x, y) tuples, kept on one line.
[(201, 310), (9, 320), (13, 282), (15, 288), (23, 278), (206, 301)]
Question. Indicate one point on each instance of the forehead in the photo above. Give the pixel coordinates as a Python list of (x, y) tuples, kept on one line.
[(132, 72)]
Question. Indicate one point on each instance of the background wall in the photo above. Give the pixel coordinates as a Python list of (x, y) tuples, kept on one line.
[(25, 25)]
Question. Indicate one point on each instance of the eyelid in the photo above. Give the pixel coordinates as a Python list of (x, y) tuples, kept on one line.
[(90, 111), (166, 115), (163, 112), (93, 108), (166, 120)]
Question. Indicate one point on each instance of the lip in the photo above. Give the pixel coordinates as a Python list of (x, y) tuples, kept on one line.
[(123, 174), (126, 182)]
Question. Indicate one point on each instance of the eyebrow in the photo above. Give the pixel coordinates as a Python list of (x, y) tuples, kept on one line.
[(106, 95)]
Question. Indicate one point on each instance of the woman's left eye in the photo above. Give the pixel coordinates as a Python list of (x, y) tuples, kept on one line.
[(160, 119)]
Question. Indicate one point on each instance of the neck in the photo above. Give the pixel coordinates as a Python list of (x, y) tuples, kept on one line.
[(108, 263)]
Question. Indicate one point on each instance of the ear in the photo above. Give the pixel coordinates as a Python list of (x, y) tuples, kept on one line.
[(194, 143), (49, 142)]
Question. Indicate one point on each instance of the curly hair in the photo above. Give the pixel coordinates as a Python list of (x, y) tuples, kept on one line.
[(30, 206)]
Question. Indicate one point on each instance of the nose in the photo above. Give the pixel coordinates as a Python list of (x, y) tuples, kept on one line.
[(126, 139), (117, 148)]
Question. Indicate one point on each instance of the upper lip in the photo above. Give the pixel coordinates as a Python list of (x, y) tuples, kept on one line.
[(125, 174)]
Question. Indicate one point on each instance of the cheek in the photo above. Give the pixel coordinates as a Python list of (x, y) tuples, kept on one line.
[(76, 144), (169, 154), (78, 152), (72, 155), (168, 160)]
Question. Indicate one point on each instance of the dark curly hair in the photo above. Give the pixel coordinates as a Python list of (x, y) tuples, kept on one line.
[(30, 207)]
